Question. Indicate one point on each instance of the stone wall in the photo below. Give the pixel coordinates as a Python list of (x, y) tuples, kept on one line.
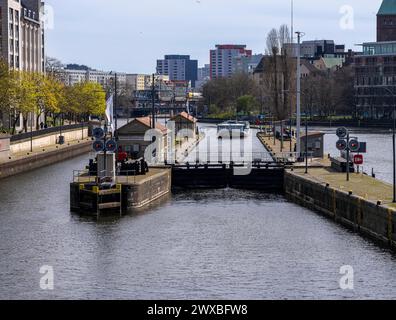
[(359, 214), (141, 194), (43, 159)]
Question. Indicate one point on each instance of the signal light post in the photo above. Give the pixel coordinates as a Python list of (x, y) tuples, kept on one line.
[(348, 144)]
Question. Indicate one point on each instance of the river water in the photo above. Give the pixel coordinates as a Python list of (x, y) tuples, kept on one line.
[(217, 244)]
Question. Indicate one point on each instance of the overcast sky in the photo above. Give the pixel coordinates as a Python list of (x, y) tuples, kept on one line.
[(130, 35)]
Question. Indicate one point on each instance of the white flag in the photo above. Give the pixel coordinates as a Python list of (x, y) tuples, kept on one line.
[(109, 114)]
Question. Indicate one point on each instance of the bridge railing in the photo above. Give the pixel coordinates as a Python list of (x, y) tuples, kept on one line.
[(224, 157)]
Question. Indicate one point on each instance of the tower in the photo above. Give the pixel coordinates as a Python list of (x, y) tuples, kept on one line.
[(386, 21)]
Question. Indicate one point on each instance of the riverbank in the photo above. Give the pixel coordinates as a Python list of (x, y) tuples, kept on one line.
[(363, 204), (23, 162)]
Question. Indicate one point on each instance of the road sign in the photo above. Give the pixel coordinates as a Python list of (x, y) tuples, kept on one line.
[(111, 146), (341, 145), (98, 133), (342, 132), (98, 146), (358, 159), (363, 147), (354, 145)]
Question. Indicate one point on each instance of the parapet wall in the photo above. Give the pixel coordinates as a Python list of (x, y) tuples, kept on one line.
[(363, 216), (36, 161), (48, 140)]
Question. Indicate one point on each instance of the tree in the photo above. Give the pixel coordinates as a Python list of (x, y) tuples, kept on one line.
[(278, 84), (85, 99), (247, 104), (25, 95), (224, 92), (7, 88), (54, 68)]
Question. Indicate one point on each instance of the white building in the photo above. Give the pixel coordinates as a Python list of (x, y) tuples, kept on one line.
[(72, 77)]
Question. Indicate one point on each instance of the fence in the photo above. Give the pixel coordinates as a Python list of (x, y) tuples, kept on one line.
[(43, 132)]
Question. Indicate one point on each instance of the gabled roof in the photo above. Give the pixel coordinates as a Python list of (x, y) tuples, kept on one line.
[(146, 121), (388, 7), (186, 116)]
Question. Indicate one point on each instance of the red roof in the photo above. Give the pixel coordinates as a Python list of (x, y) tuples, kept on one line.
[(186, 116), (147, 122)]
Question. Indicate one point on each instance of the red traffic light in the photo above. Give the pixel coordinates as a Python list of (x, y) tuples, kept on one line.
[(341, 145)]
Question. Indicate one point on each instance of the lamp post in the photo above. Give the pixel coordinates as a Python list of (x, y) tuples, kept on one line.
[(299, 35), (393, 142)]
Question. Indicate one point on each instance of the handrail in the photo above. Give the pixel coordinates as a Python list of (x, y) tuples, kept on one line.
[(42, 132)]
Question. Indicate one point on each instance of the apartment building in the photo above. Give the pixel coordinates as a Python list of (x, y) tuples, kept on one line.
[(222, 59)]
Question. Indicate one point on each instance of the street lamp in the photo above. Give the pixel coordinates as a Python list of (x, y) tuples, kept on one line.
[(393, 142), (299, 35)]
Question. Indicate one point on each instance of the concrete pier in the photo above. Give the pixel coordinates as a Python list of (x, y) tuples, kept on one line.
[(363, 204), (134, 192)]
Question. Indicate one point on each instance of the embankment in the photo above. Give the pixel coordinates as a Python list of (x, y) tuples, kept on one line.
[(366, 217), (39, 160)]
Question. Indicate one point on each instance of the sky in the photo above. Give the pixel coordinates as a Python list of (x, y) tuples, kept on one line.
[(130, 35)]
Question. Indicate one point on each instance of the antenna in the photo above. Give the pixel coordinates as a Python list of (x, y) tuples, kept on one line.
[(292, 23)]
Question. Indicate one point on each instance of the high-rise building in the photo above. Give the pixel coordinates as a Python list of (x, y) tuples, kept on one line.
[(246, 64), (222, 59), (386, 21), (22, 34), (179, 68)]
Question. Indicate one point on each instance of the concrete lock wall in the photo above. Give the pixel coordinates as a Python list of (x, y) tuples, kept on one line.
[(4, 147), (365, 217), (141, 194), (11, 168), (48, 140)]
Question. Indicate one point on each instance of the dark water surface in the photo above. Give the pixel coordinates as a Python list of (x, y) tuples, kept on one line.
[(216, 244)]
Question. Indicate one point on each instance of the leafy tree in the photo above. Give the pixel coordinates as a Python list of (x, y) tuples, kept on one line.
[(247, 104)]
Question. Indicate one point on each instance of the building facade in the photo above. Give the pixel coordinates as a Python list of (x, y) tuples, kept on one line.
[(22, 34), (386, 21), (375, 68), (222, 59), (375, 80), (21, 43), (104, 78), (178, 68), (246, 64)]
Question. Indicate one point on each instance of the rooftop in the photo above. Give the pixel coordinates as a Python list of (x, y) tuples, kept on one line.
[(388, 7)]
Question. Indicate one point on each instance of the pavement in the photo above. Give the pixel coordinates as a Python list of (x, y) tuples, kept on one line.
[(360, 184)]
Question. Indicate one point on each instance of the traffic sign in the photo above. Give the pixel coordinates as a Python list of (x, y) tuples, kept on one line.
[(98, 133), (98, 146), (341, 145), (342, 132), (111, 146), (358, 159), (354, 145)]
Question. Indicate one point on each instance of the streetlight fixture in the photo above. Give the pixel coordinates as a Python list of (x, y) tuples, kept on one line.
[(393, 142)]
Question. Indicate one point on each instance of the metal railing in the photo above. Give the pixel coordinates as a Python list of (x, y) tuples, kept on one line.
[(42, 132)]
